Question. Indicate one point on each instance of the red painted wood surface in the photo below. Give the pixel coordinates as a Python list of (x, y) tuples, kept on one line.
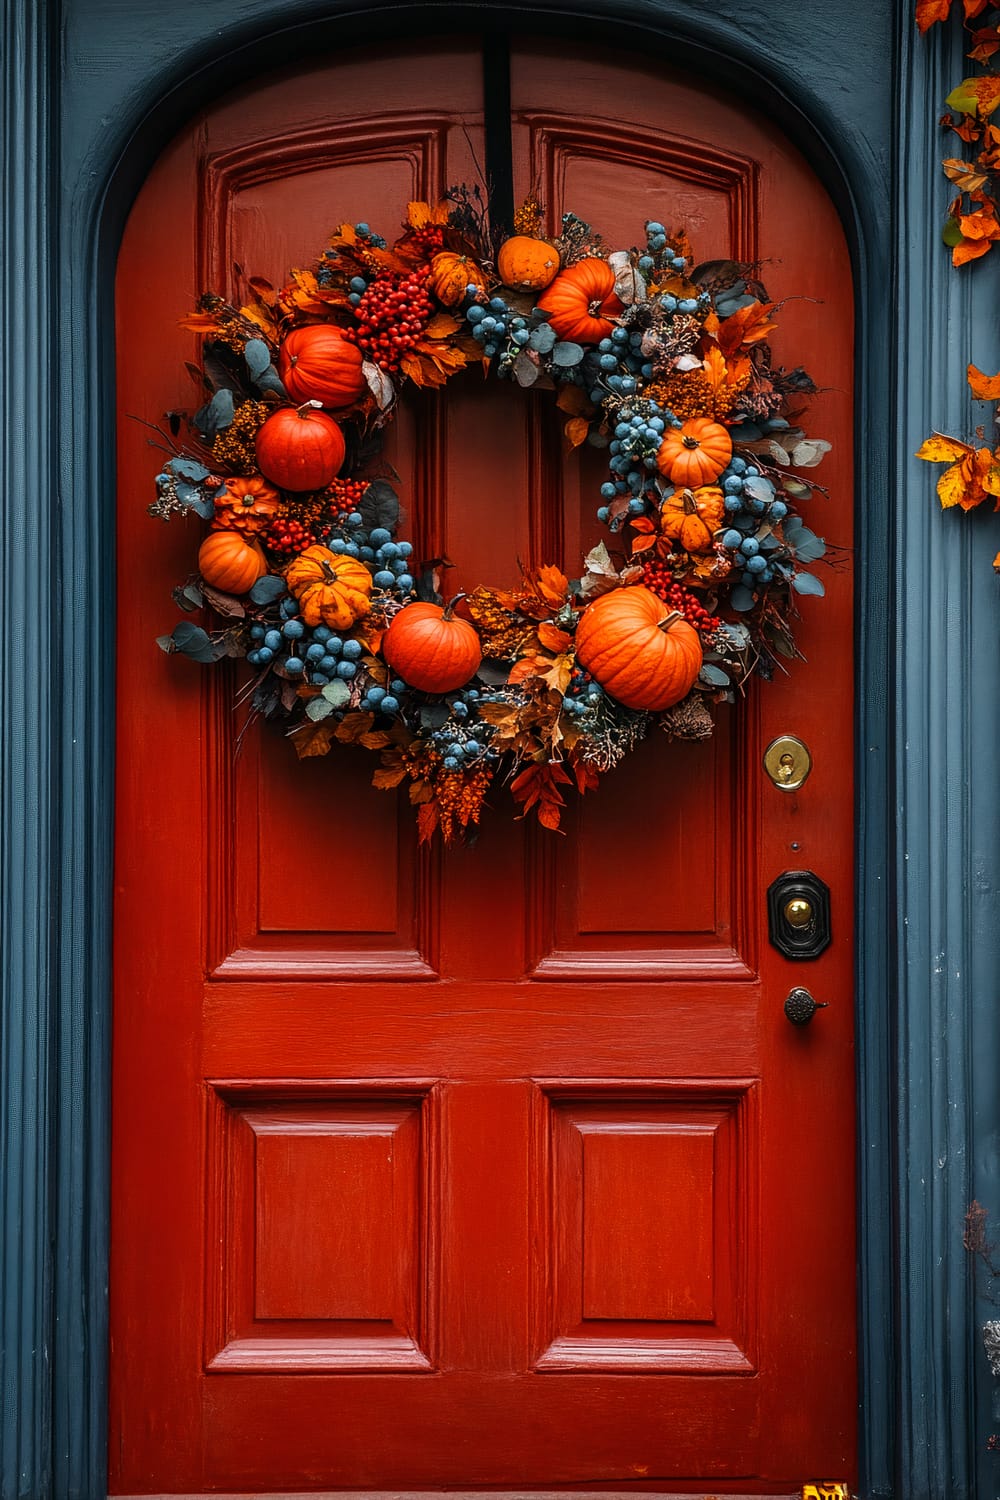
[(500, 1167)]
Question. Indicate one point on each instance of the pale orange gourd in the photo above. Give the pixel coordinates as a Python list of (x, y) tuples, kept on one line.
[(431, 648), (527, 264), (692, 517), (231, 562), (449, 276), (581, 301), (332, 589), (695, 453), (640, 651)]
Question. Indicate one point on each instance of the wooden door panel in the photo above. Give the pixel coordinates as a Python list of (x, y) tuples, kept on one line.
[(496, 1167)]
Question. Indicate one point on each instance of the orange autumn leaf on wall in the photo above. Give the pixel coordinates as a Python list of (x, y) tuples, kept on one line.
[(983, 387), (973, 475), (930, 11), (979, 231)]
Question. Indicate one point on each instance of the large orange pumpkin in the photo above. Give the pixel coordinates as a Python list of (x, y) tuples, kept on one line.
[(695, 453), (300, 448), (692, 517), (431, 648), (247, 505), (643, 653), (316, 363), (332, 589), (450, 274), (581, 301), (230, 561), (527, 264)]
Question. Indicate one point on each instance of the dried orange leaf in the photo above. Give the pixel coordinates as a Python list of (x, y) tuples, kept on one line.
[(576, 430), (983, 387), (942, 450)]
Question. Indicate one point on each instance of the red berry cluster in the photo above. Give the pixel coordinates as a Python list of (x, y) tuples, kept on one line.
[(285, 534), (656, 577), (392, 316), (429, 240), (342, 496)]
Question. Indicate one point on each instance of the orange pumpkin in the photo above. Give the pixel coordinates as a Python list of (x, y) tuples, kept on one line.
[(317, 363), (246, 505), (300, 448), (581, 301), (450, 274), (695, 453), (693, 517), (527, 264), (643, 653), (230, 561), (430, 648), (332, 589)]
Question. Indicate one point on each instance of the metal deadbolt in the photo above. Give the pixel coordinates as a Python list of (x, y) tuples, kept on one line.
[(800, 1007), (787, 761)]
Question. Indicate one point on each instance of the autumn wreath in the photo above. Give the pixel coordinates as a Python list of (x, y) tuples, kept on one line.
[(663, 364)]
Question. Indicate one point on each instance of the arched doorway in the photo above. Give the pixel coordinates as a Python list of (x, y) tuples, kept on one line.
[(516, 1020)]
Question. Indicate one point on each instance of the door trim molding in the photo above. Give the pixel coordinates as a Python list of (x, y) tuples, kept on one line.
[(110, 84)]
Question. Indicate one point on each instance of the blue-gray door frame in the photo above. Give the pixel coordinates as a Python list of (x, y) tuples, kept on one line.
[(90, 91)]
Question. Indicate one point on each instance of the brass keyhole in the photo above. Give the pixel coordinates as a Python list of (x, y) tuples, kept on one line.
[(787, 761)]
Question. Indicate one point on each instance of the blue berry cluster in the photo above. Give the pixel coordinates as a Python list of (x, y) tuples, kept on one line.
[(493, 323), (583, 695), (387, 560), (633, 449), (751, 505), (315, 653)]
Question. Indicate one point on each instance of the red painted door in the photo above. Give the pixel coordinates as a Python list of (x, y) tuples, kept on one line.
[(499, 1167)]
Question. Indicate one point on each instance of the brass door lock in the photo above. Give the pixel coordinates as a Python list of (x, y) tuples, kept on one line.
[(787, 761)]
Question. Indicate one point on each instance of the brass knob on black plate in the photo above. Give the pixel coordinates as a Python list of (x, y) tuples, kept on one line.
[(798, 912), (800, 1007)]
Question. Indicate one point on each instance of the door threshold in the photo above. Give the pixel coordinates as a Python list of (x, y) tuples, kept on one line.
[(456, 1494)]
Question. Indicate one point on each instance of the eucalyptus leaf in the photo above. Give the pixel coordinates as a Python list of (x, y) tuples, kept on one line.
[(270, 380), (336, 693), (807, 583), (759, 488), (187, 468), (268, 588), (318, 708), (797, 488), (166, 643), (380, 506), (192, 641), (433, 715), (807, 454), (216, 414), (493, 671), (741, 598), (542, 338), (257, 356), (809, 548), (714, 676), (567, 354), (745, 432), (526, 370)]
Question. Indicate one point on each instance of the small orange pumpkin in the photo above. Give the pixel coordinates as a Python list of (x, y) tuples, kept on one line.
[(527, 264), (230, 561), (246, 505), (316, 363), (450, 274), (692, 517), (300, 448), (643, 653), (695, 453), (332, 589), (431, 648), (581, 301)]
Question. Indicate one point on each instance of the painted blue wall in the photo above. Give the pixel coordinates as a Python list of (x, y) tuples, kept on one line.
[(89, 92)]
